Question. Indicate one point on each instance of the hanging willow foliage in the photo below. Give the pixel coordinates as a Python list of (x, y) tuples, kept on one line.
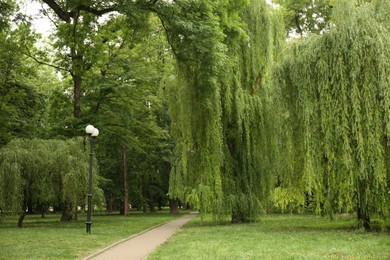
[(195, 109), (221, 106), (336, 88), (250, 112), (43, 172)]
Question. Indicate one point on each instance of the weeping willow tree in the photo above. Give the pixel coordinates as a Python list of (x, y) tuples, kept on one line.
[(250, 113), (336, 89), (221, 104), (40, 173), (195, 106)]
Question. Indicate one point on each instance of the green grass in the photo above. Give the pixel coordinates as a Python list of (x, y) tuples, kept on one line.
[(48, 238), (275, 237)]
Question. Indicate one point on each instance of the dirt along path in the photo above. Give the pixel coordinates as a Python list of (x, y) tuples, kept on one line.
[(141, 245)]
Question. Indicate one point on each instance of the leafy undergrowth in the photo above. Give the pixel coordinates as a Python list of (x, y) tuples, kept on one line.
[(276, 237)]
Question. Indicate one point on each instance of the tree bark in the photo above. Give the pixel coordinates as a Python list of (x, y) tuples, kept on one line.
[(364, 219), (43, 212), (299, 28), (24, 206), (77, 96), (126, 182), (239, 217), (65, 16), (363, 212), (174, 206), (66, 216), (151, 202), (21, 218), (75, 214), (110, 205)]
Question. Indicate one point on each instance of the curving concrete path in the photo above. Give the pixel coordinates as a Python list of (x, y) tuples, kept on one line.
[(141, 245)]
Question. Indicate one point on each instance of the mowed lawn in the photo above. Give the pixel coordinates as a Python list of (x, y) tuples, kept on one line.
[(275, 237), (48, 238)]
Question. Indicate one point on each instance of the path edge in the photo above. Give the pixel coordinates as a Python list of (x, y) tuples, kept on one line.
[(130, 237)]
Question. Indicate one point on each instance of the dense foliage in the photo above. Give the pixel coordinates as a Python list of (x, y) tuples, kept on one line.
[(221, 105), (20, 102), (204, 97), (31, 176), (336, 90)]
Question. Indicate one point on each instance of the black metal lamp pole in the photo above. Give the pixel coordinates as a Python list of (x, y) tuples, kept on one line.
[(93, 132), (88, 223)]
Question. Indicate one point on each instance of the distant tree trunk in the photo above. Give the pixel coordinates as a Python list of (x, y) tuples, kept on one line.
[(174, 206), (75, 214), (239, 217), (43, 211), (30, 209), (66, 216), (363, 218), (109, 203), (126, 182), (186, 205), (151, 204), (77, 96), (21, 218), (160, 204)]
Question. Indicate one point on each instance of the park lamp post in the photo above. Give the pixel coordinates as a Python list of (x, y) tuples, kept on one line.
[(92, 132)]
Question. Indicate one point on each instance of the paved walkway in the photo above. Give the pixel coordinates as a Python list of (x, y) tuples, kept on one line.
[(139, 246)]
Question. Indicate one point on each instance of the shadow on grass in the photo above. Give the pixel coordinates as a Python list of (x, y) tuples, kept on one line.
[(290, 223), (52, 220)]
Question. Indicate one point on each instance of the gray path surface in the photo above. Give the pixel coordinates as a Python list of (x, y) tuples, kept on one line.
[(139, 246)]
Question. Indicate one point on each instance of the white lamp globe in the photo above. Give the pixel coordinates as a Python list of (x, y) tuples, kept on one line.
[(90, 129), (95, 132)]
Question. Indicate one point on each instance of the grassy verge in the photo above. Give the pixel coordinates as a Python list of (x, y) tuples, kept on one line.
[(275, 237), (48, 238)]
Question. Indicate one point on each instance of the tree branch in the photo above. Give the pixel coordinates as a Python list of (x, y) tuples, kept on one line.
[(65, 16), (296, 20), (95, 11), (28, 54)]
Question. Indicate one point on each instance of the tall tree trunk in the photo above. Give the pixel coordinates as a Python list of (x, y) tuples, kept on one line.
[(174, 206), (76, 96), (126, 182)]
